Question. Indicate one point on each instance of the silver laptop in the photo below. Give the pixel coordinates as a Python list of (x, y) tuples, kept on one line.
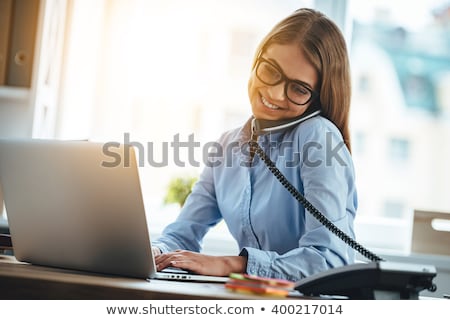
[(78, 205)]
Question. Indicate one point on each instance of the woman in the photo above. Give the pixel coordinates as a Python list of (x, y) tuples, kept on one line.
[(300, 69)]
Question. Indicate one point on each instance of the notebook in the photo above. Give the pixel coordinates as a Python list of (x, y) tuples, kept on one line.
[(78, 205)]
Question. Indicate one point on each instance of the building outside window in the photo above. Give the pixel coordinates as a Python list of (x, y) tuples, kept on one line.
[(401, 69)]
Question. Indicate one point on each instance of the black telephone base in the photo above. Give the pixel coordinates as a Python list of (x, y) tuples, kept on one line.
[(375, 280)]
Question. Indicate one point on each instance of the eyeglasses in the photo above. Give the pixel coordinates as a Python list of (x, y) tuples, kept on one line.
[(296, 91)]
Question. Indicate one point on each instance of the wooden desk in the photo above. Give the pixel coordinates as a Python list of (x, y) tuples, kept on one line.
[(24, 281)]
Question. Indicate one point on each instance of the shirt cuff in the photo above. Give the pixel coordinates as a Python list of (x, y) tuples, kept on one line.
[(258, 263), (161, 246)]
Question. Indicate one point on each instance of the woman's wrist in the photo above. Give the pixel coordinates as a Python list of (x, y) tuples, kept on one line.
[(236, 264)]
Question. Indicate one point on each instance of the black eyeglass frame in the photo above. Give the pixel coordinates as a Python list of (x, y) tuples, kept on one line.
[(286, 80)]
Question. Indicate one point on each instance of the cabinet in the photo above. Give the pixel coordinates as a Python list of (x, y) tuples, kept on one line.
[(18, 29)]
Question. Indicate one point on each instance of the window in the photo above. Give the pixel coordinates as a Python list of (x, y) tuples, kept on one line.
[(242, 47), (393, 209), (398, 150), (359, 143), (401, 64)]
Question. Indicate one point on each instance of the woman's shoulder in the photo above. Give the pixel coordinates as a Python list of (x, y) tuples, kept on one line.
[(317, 123), (316, 126)]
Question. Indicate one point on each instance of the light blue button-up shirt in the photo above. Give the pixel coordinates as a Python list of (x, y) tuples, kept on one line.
[(271, 228)]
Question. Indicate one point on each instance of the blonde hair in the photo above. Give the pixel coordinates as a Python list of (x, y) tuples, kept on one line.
[(324, 46)]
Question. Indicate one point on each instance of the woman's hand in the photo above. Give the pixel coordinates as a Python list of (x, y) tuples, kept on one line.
[(156, 252), (200, 263)]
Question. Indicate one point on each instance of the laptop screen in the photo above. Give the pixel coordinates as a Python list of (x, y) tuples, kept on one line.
[(67, 209)]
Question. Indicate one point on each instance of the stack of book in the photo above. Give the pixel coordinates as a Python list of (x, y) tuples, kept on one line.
[(245, 283)]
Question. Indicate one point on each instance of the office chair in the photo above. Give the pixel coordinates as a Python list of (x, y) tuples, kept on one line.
[(426, 236)]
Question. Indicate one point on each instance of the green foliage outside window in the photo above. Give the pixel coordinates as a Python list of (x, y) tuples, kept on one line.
[(178, 190)]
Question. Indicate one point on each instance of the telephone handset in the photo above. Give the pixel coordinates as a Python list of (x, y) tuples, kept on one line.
[(378, 279), (261, 126)]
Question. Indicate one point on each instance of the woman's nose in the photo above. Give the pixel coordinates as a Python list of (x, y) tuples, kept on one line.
[(276, 92)]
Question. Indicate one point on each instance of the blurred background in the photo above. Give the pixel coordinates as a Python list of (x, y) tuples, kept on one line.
[(102, 69)]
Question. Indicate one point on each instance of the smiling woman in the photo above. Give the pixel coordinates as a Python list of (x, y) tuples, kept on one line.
[(156, 69), (276, 237)]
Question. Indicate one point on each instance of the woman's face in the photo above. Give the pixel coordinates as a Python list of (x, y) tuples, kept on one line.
[(270, 102)]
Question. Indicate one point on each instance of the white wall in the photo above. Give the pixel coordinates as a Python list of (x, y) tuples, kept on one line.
[(16, 113)]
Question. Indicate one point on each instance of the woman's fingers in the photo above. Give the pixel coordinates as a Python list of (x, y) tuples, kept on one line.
[(183, 259), (200, 263), (167, 260)]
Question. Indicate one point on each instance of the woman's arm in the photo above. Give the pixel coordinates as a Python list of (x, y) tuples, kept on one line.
[(199, 213)]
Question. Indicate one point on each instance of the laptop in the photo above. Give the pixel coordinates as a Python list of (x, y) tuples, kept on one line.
[(78, 205)]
